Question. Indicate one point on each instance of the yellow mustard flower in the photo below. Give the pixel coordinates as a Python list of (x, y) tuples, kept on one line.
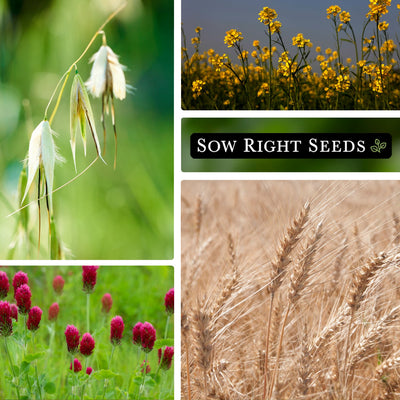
[(345, 17), (232, 36), (264, 89), (256, 43), (388, 46), (300, 41), (267, 15), (197, 87), (332, 11), (275, 26), (328, 51), (318, 49), (320, 58), (377, 8), (198, 29), (195, 40), (342, 83), (382, 26)]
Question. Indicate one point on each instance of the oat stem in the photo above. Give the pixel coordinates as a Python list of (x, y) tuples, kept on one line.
[(67, 73)]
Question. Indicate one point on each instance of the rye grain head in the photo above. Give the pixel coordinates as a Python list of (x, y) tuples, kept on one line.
[(362, 279), (286, 246), (300, 274)]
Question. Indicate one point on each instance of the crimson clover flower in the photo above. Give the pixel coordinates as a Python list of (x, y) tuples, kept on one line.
[(5, 319), (136, 334), (58, 284), (77, 365), (4, 285), (106, 303), (147, 336), (117, 329), (34, 317), (89, 276), (23, 297), (72, 338), (165, 357), (87, 345), (54, 309), (169, 301), (19, 279)]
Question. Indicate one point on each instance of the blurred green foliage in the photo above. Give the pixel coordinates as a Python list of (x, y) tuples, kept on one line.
[(290, 125), (104, 214), (138, 295)]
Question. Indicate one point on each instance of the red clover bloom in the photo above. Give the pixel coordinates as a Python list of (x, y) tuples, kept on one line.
[(58, 284), (117, 329), (165, 357), (77, 365), (54, 309), (5, 319), (89, 370), (136, 334), (147, 336), (19, 279), (4, 285), (148, 368), (23, 297), (89, 275), (169, 301), (87, 345), (14, 311), (34, 317), (72, 338), (106, 302)]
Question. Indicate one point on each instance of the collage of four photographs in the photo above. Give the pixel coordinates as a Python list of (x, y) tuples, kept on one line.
[(289, 244), (287, 289)]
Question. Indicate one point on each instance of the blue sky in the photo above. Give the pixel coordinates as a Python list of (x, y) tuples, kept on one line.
[(306, 16)]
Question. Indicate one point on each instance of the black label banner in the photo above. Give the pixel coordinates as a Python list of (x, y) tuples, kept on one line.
[(291, 145)]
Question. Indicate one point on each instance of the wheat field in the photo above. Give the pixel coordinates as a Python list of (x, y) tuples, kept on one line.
[(290, 290)]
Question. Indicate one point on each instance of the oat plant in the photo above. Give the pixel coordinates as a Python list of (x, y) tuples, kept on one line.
[(107, 81)]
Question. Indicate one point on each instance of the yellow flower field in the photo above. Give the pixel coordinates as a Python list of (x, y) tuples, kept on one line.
[(298, 76)]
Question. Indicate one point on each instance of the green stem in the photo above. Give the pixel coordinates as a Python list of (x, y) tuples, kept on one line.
[(88, 312), (166, 327), (144, 375), (270, 67), (109, 365), (25, 335), (36, 371), (11, 364), (66, 75), (111, 356)]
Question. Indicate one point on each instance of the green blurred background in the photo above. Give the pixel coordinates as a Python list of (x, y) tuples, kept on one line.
[(138, 295), (290, 125), (105, 214)]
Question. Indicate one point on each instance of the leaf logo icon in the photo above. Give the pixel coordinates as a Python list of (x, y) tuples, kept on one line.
[(378, 146)]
